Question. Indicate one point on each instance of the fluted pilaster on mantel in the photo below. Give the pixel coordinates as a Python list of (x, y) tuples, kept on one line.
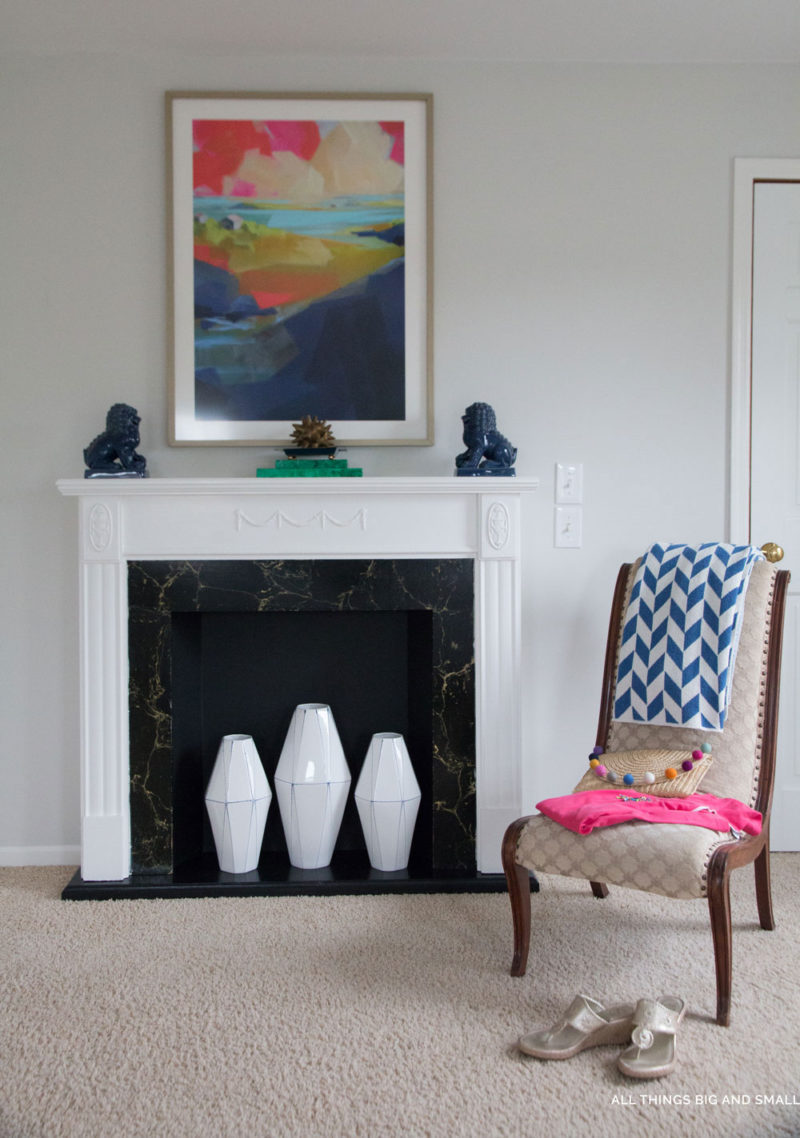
[(105, 822)]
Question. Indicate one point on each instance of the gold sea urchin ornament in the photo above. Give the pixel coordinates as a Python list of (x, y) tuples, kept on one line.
[(312, 433)]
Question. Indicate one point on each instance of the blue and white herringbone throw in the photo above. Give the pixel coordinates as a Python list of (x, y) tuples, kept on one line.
[(680, 634)]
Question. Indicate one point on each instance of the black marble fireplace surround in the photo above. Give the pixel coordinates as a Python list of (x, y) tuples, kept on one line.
[(218, 647)]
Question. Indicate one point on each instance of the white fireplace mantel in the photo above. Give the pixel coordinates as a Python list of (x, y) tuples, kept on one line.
[(122, 520)]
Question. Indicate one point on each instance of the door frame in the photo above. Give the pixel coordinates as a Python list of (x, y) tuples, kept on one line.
[(747, 172)]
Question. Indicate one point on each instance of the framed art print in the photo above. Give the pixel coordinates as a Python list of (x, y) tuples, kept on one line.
[(301, 267)]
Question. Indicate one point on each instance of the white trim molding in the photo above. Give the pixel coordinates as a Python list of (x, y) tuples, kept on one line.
[(746, 173)]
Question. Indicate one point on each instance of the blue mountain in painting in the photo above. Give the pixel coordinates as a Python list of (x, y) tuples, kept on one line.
[(342, 357)]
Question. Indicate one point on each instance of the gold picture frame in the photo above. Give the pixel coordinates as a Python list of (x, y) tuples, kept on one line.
[(301, 267)]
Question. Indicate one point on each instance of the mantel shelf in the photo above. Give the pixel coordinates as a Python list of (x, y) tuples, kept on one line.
[(155, 487)]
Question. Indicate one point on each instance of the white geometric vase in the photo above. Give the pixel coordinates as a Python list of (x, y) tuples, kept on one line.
[(387, 798), (237, 800), (312, 781)]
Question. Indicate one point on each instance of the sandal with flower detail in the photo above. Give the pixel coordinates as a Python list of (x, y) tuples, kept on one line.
[(585, 1023), (651, 1054)]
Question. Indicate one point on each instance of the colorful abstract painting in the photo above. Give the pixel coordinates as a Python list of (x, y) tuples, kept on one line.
[(300, 302)]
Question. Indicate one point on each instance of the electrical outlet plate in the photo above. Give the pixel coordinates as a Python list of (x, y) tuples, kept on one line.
[(569, 483), (569, 527)]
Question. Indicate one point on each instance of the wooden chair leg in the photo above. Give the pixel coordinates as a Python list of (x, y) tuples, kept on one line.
[(764, 888), (599, 889), (719, 907), (519, 891)]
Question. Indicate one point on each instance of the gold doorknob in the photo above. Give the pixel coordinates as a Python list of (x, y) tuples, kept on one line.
[(772, 551)]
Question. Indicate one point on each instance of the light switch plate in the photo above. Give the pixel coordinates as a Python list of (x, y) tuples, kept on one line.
[(569, 483), (569, 527)]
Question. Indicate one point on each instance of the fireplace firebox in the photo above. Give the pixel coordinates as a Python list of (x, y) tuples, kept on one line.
[(223, 647)]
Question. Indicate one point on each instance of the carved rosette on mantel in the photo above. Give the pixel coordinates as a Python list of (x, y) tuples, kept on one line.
[(371, 520)]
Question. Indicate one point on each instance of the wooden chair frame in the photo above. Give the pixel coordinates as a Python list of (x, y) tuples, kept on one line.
[(725, 858)]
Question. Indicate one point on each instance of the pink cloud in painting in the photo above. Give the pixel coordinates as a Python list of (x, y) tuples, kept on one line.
[(395, 129), (219, 147), (300, 138), (241, 189), (296, 160)]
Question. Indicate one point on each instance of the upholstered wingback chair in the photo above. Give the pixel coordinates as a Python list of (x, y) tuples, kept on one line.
[(675, 860)]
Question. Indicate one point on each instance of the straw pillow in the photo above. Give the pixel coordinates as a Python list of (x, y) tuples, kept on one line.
[(668, 774)]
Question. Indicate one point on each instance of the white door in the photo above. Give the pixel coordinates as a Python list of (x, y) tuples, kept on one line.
[(775, 455)]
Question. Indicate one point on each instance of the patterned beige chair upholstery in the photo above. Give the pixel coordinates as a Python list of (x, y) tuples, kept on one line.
[(675, 860)]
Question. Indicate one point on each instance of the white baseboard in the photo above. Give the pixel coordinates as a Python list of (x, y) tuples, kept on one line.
[(40, 855)]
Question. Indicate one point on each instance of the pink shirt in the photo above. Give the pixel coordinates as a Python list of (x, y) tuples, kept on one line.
[(588, 809)]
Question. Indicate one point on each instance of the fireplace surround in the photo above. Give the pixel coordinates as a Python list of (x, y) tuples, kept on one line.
[(180, 557)]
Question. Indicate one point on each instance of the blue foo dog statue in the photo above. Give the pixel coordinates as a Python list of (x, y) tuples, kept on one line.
[(488, 452), (113, 454)]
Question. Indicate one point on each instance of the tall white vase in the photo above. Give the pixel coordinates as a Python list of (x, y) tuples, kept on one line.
[(312, 781), (237, 800), (387, 797)]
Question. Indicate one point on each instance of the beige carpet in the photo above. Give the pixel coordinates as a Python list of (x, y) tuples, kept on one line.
[(380, 1016)]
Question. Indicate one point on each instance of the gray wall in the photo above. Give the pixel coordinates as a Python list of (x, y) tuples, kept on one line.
[(582, 285)]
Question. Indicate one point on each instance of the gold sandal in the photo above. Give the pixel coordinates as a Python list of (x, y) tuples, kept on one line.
[(585, 1023), (651, 1054)]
